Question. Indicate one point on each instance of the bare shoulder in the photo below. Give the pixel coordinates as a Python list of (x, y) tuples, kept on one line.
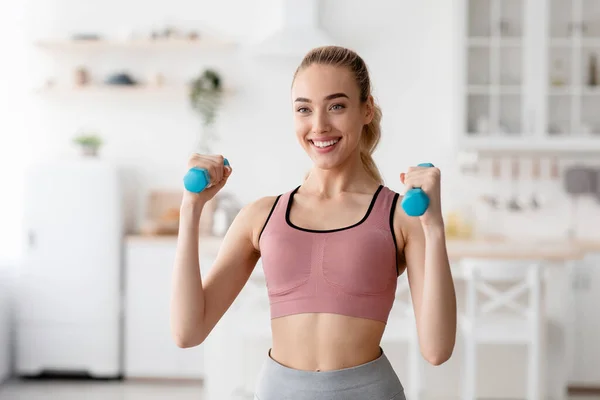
[(255, 216)]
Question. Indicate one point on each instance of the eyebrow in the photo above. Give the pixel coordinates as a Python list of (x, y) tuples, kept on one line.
[(329, 97)]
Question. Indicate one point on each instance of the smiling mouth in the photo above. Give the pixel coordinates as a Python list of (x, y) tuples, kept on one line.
[(323, 144)]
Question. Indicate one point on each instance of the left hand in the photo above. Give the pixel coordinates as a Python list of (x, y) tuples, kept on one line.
[(428, 179)]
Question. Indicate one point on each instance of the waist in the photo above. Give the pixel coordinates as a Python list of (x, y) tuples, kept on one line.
[(372, 379), (325, 342)]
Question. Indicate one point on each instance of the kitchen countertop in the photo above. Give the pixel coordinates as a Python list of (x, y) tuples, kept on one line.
[(549, 250)]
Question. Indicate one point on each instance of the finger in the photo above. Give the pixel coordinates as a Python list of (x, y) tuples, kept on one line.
[(416, 176), (217, 170), (221, 162), (213, 189), (402, 177), (213, 171), (413, 181), (193, 161)]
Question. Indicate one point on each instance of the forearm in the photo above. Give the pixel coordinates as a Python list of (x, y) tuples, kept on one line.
[(187, 300), (438, 303)]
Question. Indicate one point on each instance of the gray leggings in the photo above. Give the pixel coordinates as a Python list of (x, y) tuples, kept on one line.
[(375, 380)]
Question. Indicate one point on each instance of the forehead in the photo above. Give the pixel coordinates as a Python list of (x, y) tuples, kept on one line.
[(318, 81)]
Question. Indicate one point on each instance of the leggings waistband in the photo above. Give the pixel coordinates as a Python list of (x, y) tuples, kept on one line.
[(375, 377)]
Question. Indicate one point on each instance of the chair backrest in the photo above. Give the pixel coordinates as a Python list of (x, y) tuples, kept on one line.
[(502, 283)]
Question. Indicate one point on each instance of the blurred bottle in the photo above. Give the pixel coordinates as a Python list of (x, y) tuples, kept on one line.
[(593, 71), (460, 224), (558, 73)]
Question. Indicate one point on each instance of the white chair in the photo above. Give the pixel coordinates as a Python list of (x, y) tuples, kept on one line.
[(401, 327), (503, 283)]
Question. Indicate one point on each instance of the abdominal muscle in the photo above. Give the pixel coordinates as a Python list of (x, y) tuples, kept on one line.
[(325, 342)]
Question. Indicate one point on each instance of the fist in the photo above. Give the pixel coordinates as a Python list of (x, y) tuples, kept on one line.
[(428, 180), (217, 172)]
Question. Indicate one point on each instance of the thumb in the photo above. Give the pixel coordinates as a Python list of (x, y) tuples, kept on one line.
[(212, 190)]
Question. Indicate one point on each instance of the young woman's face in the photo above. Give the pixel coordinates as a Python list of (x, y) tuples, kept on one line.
[(328, 114)]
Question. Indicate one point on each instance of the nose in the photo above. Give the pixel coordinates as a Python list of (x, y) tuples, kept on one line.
[(320, 123)]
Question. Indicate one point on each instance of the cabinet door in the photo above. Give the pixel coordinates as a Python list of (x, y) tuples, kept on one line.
[(586, 330), (73, 222), (573, 75), (497, 94), (149, 347)]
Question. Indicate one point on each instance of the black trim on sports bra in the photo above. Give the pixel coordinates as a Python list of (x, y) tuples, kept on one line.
[(289, 208), (268, 217), (392, 211)]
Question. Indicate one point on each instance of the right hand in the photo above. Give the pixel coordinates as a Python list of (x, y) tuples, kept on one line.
[(218, 173)]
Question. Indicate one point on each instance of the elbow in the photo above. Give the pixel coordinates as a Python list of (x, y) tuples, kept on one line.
[(185, 339), (438, 357)]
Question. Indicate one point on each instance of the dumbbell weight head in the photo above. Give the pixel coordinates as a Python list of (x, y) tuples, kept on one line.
[(415, 200), (197, 179)]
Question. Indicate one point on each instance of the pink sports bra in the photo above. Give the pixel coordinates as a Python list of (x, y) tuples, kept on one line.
[(350, 271)]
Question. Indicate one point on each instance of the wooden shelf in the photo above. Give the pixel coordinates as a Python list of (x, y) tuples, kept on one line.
[(107, 44), (141, 88)]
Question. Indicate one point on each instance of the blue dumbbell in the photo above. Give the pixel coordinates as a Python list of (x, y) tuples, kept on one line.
[(415, 201), (197, 179)]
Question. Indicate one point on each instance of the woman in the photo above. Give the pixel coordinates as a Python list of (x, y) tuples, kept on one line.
[(331, 250)]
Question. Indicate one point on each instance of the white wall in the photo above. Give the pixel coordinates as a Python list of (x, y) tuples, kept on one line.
[(151, 136), (409, 46)]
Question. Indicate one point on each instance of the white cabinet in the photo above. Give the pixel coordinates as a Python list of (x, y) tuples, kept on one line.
[(68, 284), (529, 75), (150, 350), (5, 320), (585, 368)]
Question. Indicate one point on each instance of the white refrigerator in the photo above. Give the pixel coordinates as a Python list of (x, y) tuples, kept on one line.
[(69, 286)]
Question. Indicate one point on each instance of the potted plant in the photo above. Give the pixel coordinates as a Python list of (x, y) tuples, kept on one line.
[(205, 98), (89, 143)]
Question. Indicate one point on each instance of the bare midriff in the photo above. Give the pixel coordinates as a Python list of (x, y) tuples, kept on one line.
[(325, 342)]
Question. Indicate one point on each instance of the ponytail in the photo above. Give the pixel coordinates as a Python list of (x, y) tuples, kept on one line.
[(369, 140)]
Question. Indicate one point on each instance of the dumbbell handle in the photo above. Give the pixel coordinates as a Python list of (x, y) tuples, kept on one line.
[(198, 179), (415, 200)]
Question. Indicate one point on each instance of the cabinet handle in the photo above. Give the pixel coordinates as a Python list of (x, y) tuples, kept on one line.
[(503, 27), (31, 239)]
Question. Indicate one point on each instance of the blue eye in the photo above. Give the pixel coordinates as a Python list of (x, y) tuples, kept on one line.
[(337, 105), (302, 109)]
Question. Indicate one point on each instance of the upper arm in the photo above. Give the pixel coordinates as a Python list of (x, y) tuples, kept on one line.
[(411, 248), (235, 261)]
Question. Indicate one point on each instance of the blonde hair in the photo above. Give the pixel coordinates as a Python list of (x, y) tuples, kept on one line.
[(343, 57)]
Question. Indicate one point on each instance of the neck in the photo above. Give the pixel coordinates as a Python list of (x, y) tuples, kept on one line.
[(350, 176)]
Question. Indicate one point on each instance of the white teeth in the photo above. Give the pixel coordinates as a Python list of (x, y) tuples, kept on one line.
[(325, 144)]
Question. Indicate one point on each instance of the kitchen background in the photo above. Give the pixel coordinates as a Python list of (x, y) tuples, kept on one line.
[(482, 89)]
